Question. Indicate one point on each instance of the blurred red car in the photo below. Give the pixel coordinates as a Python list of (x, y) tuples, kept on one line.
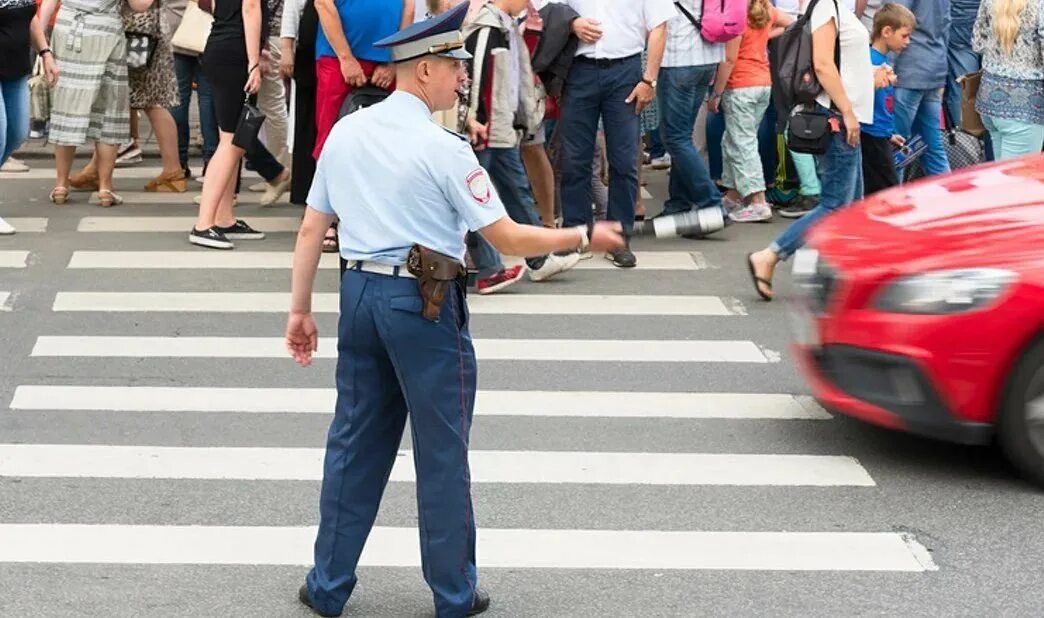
[(922, 309)]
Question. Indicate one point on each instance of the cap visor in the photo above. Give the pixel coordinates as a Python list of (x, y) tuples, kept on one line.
[(457, 54)]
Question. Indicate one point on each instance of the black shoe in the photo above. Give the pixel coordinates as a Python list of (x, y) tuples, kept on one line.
[(622, 258), (241, 231), (480, 604), (211, 238), (305, 598), (800, 207)]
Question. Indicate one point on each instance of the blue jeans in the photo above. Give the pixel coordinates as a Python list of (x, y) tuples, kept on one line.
[(505, 169), (188, 68), (14, 115), (393, 363), (681, 92), (657, 147), (841, 171), (600, 91), (917, 112)]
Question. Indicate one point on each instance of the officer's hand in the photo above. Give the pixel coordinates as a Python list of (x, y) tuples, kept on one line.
[(607, 236), (383, 77), (352, 72), (302, 337)]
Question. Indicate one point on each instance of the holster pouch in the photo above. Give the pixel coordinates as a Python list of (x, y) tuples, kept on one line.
[(435, 273)]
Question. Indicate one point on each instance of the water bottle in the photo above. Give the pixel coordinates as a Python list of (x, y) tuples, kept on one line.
[(692, 223)]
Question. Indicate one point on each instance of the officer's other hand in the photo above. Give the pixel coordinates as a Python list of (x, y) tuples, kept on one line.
[(587, 30), (302, 338), (607, 236), (478, 133), (383, 77), (352, 72)]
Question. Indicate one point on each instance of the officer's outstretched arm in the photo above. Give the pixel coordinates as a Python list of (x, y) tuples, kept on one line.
[(510, 238)]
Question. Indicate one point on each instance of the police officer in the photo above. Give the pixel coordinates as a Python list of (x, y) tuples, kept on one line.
[(396, 179)]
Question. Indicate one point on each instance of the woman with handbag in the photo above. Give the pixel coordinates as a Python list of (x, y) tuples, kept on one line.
[(88, 35), (153, 89), (232, 64), (847, 97), (18, 26), (1010, 36)]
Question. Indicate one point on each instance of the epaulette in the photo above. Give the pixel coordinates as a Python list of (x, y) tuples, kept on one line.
[(459, 136)]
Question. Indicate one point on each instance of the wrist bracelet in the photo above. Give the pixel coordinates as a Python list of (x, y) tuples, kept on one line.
[(46, 50), (253, 68)]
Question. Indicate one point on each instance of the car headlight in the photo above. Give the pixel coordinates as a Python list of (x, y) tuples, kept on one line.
[(945, 291)]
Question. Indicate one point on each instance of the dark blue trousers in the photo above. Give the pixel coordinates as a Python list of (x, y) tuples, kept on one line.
[(392, 360), (600, 91)]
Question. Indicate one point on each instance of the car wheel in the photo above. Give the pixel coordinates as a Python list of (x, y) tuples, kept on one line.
[(1021, 422)]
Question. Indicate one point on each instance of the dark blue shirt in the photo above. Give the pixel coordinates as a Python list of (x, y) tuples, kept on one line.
[(884, 104), (923, 65)]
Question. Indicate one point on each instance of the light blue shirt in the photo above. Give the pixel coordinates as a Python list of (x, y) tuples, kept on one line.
[(395, 178)]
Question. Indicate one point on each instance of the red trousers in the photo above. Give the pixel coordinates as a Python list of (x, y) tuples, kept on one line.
[(330, 93)]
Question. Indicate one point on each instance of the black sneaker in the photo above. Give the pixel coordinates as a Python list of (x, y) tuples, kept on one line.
[(800, 207), (211, 238), (480, 604), (622, 258), (241, 231), (306, 599)]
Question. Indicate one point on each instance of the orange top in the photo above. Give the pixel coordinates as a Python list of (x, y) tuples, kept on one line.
[(752, 64)]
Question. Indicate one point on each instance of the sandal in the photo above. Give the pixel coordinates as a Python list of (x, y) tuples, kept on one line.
[(84, 181), (759, 281), (171, 182), (108, 199), (330, 242), (59, 195)]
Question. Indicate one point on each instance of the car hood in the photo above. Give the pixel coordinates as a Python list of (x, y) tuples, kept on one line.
[(988, 215)]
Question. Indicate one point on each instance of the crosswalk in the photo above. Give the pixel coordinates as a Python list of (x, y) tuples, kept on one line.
[(212, 404)]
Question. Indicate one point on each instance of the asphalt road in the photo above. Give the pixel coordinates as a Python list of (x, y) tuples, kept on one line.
[(697, 481)]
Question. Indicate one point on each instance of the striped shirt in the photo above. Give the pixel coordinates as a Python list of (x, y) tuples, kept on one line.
[(685, 46)]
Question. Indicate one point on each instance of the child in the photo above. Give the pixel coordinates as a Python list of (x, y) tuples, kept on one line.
[(744, 88), (893, 25)]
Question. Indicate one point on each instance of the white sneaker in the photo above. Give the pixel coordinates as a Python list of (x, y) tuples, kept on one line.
[(752, 213), (129, 154), (14, 165), (258, 187), (661, 163), (275, 191), (554, 265), (6, 229)]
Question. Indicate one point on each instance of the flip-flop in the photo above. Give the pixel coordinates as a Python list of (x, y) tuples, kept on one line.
[(758, 281)]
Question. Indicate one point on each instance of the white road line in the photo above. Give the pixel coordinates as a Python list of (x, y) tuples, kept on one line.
[(486, 349), (45, 173), (3, 300), (177, 224), (504, 304), (306, 464), (133, 198), (208, 260), (13, 259), (645, 194), (497, 548), (587, 404), (32, 225)]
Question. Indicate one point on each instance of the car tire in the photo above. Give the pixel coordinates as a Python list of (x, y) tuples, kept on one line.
[(1021, 436)]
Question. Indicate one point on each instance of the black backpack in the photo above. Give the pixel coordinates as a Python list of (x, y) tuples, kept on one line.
[(795, 82)]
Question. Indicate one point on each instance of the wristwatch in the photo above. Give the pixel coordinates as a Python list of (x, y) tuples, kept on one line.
[(649, 82)]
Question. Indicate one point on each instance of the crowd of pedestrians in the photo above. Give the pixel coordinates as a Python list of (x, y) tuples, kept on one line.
[(566, 102)]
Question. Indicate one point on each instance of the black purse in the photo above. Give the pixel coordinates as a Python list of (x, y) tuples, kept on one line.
[(249, 125), (141, 49), (809, 132)]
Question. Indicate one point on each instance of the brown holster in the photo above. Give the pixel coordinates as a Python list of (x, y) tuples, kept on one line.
[(435, 273)]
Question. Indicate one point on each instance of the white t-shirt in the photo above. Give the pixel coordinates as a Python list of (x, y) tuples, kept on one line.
[(857, 73), (625, 24)]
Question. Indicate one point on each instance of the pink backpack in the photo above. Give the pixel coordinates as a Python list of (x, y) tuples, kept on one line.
[(720, 20)]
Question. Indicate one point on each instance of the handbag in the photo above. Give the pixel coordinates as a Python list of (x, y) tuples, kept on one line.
[(971, 121), (249, 125), (39, 93), (809, 131), (141, 49), (194, 29)]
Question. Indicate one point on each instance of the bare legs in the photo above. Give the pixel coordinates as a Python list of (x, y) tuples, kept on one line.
[(542, 177), (63, 158), (219, 185), (166, 136)]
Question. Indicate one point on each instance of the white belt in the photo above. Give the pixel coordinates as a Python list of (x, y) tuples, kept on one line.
[(379, 269)]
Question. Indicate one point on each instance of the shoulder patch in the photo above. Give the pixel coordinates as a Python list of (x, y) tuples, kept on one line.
[(460, 136), (478, 185)]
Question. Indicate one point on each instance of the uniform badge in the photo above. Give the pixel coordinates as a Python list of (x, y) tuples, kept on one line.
[(478, 184)]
